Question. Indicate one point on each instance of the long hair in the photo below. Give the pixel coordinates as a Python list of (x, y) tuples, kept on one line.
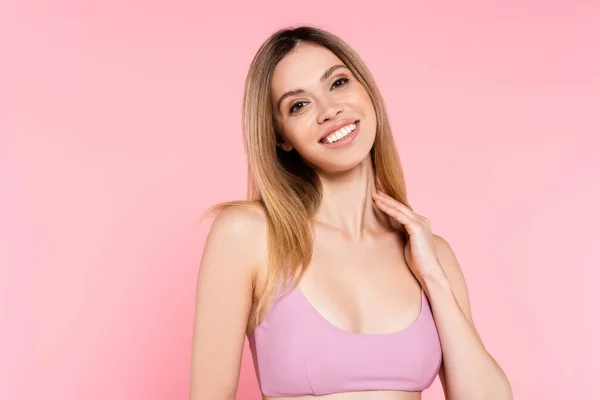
[(279, 182)]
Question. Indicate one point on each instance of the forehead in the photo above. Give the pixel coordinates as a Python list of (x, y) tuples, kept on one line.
[(301, 68)]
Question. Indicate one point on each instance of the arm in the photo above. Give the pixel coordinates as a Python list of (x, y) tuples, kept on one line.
[(224, 295), (468, 370)]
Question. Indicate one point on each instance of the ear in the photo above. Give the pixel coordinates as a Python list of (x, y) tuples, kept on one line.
[(285, 145), (282, 143)]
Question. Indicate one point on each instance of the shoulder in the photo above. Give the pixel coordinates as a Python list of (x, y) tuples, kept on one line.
[(239, 221), (451, 266), (449, 262), (239, 233), (445, 252)]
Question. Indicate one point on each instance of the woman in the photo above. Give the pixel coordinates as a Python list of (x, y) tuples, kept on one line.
[(342, 289)]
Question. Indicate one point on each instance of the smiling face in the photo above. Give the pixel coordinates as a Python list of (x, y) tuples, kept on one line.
[(322, 110)]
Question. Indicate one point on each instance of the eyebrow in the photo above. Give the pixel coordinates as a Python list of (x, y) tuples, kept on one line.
[(323, 78)]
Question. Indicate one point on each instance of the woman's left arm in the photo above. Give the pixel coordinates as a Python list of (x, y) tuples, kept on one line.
[(468, 371)]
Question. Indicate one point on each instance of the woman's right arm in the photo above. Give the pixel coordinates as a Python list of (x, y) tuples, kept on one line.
[(235, 246)]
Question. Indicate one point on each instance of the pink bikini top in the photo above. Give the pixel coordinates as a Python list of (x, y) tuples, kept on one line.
[(296, 352)]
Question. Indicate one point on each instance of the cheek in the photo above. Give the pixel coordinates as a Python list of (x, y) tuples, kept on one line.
[(366, 100), (300, 133), (370, 109), (287, 130)]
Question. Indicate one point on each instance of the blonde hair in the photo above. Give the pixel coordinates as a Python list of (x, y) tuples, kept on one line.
[(279, 182)]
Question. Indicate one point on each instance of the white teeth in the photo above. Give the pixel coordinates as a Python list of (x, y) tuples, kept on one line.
[(340, 133)]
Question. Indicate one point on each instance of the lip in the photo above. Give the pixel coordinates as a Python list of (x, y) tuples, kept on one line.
[(336, 126), (344, 142)]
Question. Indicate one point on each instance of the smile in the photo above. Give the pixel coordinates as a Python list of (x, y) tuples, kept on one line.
[(340, 133), (342, 137)]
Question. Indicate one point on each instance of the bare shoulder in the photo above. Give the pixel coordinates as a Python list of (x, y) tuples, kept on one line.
[(224, 299), (239, 220), (240, 231), (449, 262), (445, 253), (451, 266)]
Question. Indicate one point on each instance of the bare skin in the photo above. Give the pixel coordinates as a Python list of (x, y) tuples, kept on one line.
[(358, 279), (360, 282), (364, 395)]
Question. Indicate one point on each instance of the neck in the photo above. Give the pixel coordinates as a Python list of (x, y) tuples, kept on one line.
[(347, 204)]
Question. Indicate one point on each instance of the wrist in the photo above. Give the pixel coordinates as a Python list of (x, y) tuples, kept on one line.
[(435, 280)]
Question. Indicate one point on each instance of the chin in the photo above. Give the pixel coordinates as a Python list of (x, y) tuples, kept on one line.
[(339, 160), (341, 166)]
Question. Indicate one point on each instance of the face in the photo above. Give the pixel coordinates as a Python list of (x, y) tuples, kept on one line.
[(321, 110)]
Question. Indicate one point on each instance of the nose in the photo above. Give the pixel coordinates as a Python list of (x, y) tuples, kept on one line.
[(329, 109)]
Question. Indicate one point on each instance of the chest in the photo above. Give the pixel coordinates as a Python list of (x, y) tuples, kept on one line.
[(364, 287), (358, 320)]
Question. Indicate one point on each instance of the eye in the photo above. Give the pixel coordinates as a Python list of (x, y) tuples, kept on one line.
[(340, 82), (295, 107)]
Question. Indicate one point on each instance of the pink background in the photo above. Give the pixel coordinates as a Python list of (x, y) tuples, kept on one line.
[(120, 124)]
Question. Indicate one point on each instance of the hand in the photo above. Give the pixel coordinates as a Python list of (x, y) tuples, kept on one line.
[(419, 252)]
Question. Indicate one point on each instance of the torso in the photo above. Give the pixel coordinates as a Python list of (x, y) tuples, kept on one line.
[(363, 395), (363, 287)]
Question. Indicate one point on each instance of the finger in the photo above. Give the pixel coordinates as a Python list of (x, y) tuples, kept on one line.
[(396, 205), (394, 213), (401, 207)]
